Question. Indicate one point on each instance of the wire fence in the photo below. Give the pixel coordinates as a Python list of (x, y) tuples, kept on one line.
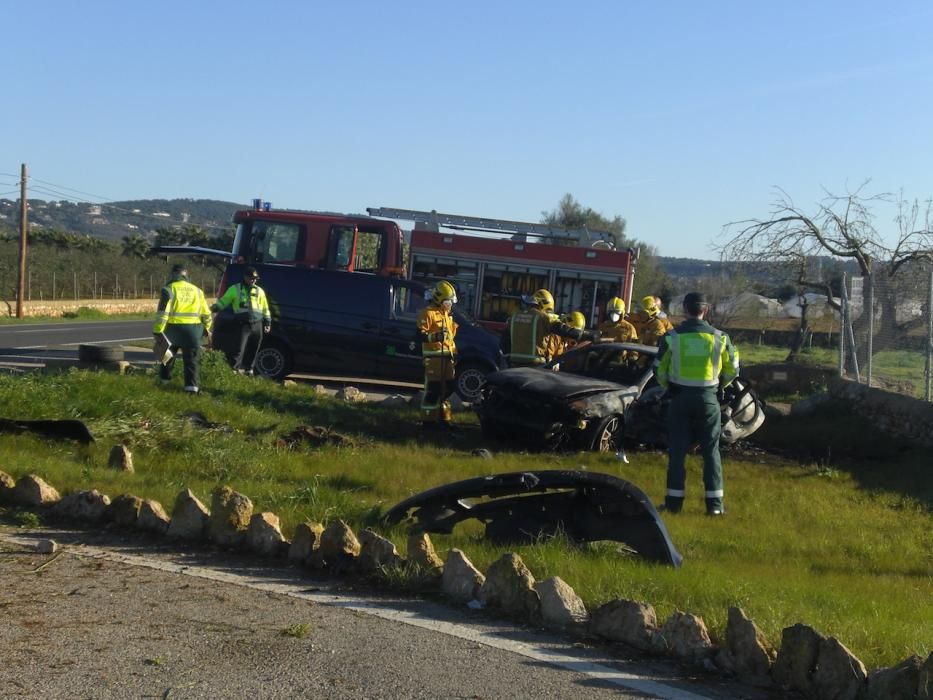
[(75, 286), (887, 331)]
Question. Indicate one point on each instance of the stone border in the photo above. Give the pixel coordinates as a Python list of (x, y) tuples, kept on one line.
[(817, 666)]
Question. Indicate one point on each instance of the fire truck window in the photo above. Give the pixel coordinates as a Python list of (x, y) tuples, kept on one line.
[(275, 242), (368, 251)]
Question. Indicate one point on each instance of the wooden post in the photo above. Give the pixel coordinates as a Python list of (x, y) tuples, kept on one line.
[(23, 241)]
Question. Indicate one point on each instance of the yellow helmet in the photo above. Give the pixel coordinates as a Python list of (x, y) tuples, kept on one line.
[(543, 299), (444, 291), (575, 319), (616, 305), (648, 304)]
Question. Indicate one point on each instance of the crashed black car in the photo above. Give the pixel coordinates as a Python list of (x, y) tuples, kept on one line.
[(596, 397)]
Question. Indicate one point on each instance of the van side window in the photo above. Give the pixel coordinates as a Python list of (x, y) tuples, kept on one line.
[(406, 302), (341, 240), (368, 251), (275, 242)]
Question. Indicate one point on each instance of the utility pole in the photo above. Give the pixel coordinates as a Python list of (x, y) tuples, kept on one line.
[(23, 227)]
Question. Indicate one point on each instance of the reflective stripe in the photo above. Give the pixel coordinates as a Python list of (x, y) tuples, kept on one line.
[(714, 494), (717, 353), (436, 353), (680, 493), (674, 348)]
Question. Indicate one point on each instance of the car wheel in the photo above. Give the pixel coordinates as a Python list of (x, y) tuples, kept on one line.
[(470, 380), (100, 353), (273, 361), (606, 435)]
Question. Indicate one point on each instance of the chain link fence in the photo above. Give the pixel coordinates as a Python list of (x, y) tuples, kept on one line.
[(887, 331)]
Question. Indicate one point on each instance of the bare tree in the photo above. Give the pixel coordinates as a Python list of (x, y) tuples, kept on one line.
[(842, 227)]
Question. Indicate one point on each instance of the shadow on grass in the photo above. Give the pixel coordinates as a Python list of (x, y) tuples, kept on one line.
[(834, 439)]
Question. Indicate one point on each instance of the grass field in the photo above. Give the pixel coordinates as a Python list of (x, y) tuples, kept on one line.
[(839, 537)]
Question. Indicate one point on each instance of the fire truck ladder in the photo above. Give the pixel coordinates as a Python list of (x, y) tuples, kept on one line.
[(432, 221)]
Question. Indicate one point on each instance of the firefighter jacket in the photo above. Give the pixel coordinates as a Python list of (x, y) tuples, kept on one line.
[(433, 320), (652, 329), (621, 331), (696, 355), (181, 303), (247, 301), (533, 337)]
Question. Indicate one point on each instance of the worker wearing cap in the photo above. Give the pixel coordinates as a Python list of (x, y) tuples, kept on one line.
[(525, 340), (615, 327), (694, 360), (251, 313), (438, 329), (184, 318)]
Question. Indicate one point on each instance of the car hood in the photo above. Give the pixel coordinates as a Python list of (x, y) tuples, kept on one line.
[(562, 385)]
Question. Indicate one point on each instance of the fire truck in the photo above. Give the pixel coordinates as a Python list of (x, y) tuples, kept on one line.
[(495, 262)]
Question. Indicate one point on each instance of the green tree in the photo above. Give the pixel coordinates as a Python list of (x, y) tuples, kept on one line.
[(135, 246)]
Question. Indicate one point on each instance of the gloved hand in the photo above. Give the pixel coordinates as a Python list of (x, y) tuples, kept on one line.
[(592, 336), (267, 329)]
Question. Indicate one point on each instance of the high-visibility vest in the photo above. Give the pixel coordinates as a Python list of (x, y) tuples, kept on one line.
[(696, 358), (182, 303), (528, 331), (249, 299), (432, 320)]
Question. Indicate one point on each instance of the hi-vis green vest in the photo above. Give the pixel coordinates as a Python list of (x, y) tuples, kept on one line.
[(181, 303), (246, 299), (695, 354)]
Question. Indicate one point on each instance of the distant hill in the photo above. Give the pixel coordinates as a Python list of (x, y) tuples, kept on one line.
[(114, 220)]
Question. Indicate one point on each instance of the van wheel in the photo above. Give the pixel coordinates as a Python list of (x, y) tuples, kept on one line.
[(470, 380), (273, 361)]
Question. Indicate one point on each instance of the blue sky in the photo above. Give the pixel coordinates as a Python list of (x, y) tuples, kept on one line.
[(678, 116)]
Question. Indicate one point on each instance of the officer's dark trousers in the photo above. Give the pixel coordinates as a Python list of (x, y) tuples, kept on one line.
[(187, 338), (250, 339), (693, 416)]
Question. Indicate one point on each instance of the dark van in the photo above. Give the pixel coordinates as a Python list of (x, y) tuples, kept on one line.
[(353, 324)]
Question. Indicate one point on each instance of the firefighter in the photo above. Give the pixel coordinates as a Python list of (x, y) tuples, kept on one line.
[(251, 313), (576, 320), (652, 327), (184, 318), (525, 340), (615, 327), (438, 329), (695, 361), (668, 326)]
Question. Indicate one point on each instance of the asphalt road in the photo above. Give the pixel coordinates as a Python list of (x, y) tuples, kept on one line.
[(31, 345), (119, 616)]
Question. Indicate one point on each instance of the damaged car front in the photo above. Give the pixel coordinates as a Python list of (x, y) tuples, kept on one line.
[(593, 398), (553, 408)]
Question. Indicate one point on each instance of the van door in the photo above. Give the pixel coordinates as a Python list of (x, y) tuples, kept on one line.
[(401, 346)]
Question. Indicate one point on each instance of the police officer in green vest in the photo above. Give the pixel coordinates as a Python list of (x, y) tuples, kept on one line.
[(184, 318), (251, 312), (694, 362)]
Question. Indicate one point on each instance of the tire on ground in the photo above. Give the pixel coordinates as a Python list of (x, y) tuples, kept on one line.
[(100, 353)]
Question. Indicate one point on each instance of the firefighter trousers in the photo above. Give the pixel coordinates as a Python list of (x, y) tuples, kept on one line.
[(439, 373)]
